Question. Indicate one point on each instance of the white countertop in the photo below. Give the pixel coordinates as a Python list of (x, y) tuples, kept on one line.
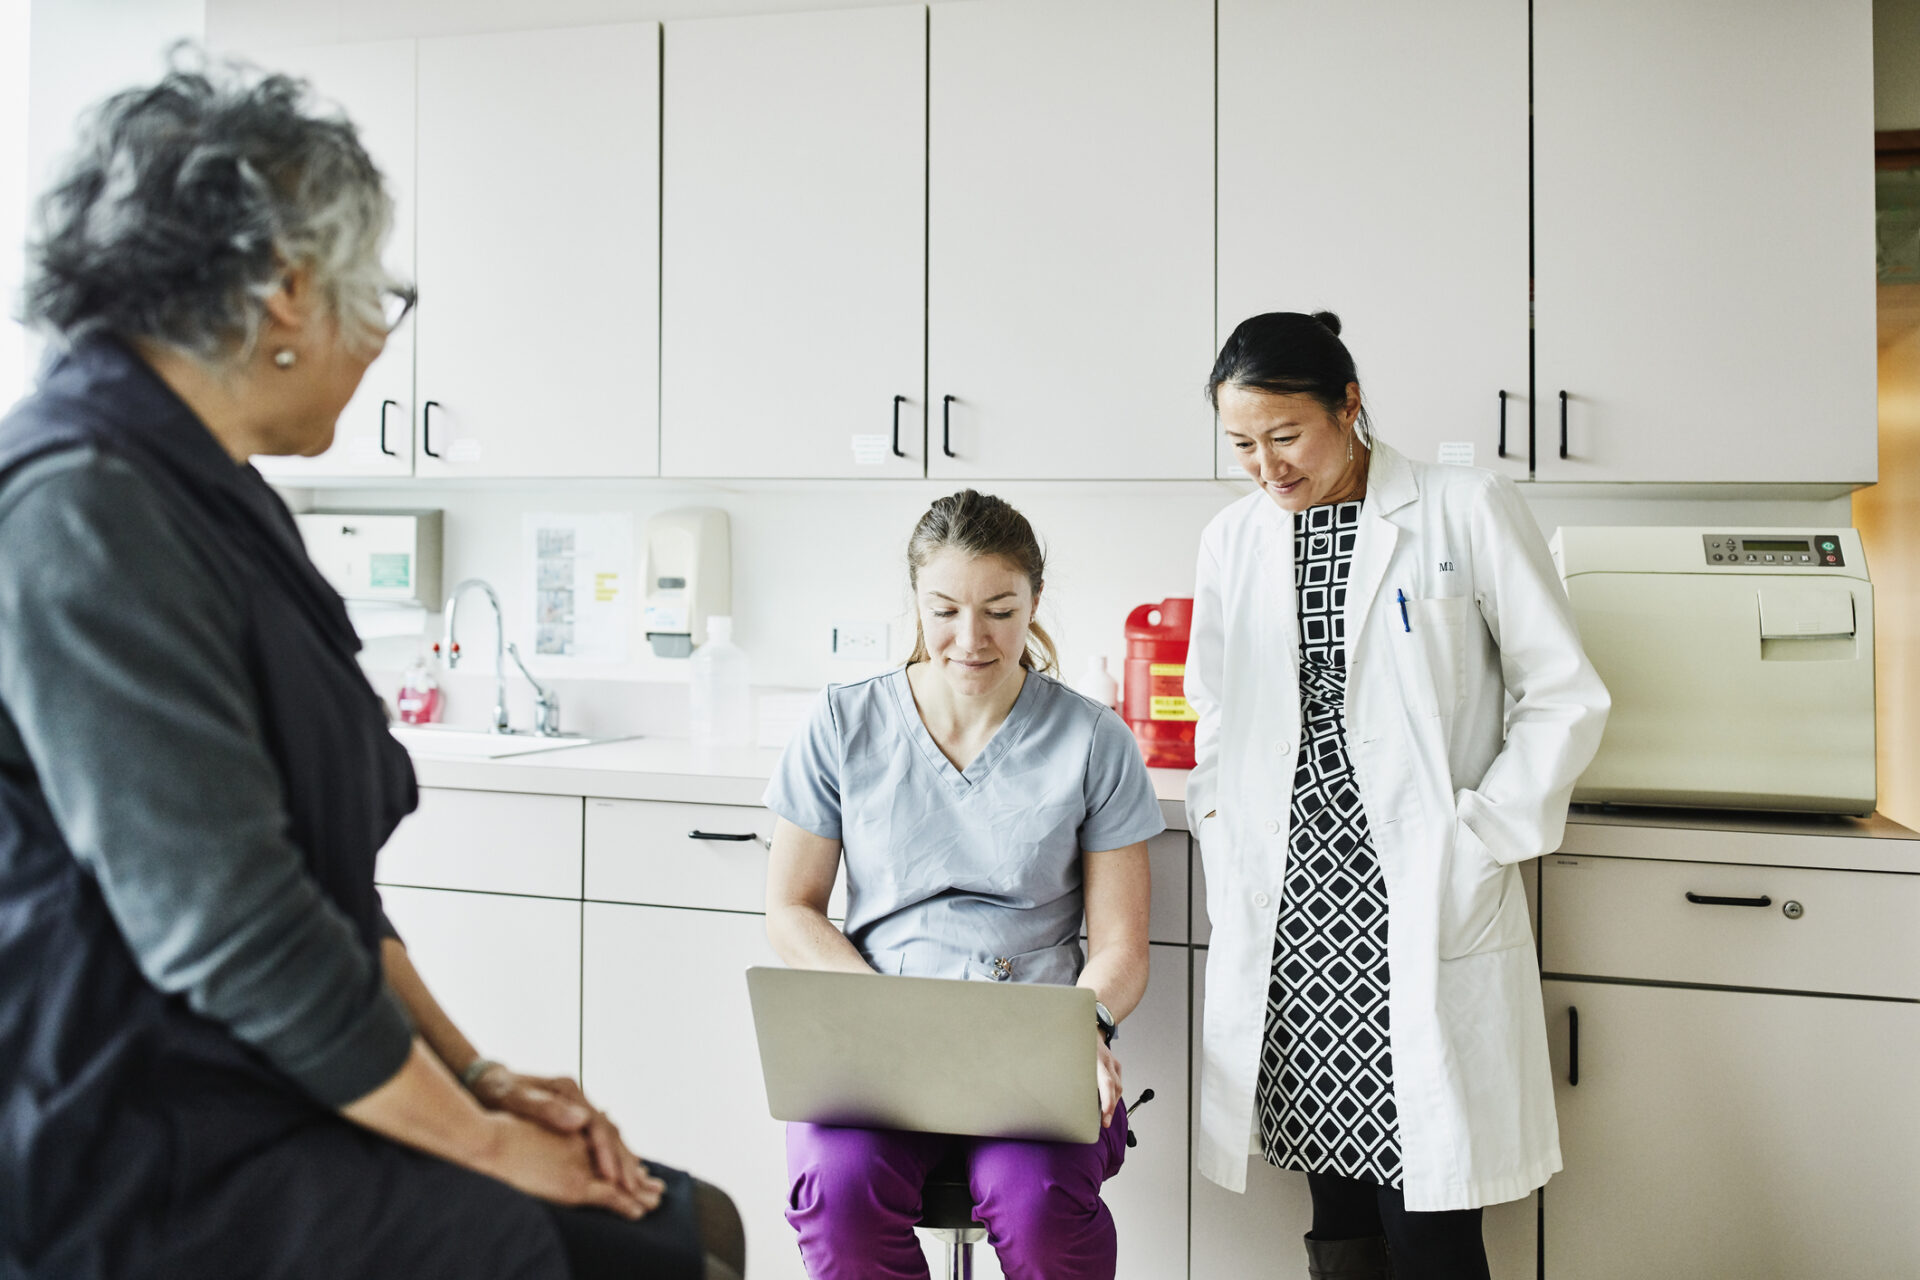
[(674, 770)]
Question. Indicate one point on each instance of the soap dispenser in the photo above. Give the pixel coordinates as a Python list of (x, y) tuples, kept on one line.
[(688, 577)]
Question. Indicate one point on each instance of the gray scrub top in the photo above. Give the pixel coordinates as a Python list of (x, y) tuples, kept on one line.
[(975, 874)]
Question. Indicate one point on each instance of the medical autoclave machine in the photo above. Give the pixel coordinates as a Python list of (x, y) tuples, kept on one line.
[(1740, 661)]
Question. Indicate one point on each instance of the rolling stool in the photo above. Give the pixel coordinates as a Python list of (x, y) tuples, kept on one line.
[(946, 1210), (946, 1204)]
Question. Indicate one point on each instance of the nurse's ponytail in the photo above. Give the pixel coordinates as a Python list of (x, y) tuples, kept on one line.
[(1289, 353), (980, 524)]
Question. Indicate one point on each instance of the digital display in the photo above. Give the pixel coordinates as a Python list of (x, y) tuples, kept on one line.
[(1758, 544)]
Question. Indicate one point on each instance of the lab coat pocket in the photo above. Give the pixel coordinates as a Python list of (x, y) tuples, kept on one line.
[(1482, 905), (1440, 635)]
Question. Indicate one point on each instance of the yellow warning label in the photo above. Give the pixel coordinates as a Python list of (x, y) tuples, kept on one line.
[(1170, 709), (1166, 668)]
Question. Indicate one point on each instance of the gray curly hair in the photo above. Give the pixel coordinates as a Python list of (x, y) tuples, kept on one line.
[(186, 203)]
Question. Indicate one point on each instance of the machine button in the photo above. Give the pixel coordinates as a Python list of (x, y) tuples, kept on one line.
[(1826, 545), (1833, 559), (1261, 900), (1769, 556), (1752, 556), (1806, 558), (1718, 556)]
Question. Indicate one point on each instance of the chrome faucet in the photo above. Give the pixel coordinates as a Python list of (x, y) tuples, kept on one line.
[(451, 649), (546, 703)]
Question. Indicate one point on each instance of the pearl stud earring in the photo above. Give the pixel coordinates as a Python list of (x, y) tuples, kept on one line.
[(283, 358)]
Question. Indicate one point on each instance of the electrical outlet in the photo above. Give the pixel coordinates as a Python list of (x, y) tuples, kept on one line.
[(860, 641)]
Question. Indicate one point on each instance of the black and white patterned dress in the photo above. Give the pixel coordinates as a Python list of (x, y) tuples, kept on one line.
[(1326, 1072)]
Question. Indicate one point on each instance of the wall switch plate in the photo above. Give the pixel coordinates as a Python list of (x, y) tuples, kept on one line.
[(860, 641)]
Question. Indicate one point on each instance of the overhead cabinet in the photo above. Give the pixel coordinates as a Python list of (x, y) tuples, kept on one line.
[(1070, 239), (1704, 227), (1373, 163), (538, 344), (374, 85), (793, 289)]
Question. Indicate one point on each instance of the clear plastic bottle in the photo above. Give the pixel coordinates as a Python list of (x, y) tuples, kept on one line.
[(719, 696), (419, 700), (1098, 683)]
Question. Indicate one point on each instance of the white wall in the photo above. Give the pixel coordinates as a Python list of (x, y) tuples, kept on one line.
[(808, 554), (14, 15)]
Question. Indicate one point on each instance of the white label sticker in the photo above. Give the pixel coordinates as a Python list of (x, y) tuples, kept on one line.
[(1456, 453), (871, 451)]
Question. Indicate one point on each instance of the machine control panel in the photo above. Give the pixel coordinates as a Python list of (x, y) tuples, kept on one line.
[(1811, 551)]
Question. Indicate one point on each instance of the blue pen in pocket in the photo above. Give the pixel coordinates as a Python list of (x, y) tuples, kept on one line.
[(1402, 596)]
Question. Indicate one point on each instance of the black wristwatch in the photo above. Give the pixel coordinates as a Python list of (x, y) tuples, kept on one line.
[(1109, 1029)]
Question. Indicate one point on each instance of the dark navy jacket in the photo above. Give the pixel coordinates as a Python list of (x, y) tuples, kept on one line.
[(194, 781)]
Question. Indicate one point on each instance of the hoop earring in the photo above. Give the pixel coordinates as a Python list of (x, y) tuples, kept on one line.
[(283, 358)]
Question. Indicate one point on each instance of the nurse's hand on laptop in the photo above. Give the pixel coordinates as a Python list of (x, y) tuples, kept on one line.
[(1109, 1085)]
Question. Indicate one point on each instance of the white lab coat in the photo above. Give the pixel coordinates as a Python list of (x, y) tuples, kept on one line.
[(1458, 785)]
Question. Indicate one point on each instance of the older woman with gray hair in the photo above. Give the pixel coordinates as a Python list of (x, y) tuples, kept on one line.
[(215, 1058)]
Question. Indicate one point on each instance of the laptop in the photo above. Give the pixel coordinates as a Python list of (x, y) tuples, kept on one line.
[(931, 1055)]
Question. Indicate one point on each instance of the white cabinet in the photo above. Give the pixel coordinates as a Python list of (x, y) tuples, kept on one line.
[(1070, 239), (1149, 1196), (1373, 162), (1241, 1235), (519, 1003), (707, 856), (670, 1054), (374, 85), (1704, 240), (1729, 1135), (538, 225), (793, 285), (490, 841)]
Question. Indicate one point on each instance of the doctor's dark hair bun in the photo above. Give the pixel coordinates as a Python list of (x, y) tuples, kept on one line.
[(979, 524), (187, 201), (1290, 353)]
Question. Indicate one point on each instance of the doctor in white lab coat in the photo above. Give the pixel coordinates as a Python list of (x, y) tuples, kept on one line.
[(1468, 714)]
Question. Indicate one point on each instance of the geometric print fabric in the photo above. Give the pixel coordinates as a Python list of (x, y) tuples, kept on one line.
[(1325, 1094)]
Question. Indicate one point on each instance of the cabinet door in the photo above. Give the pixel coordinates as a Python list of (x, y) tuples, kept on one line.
[(684, 855), (1373, 162), (1733, 1134), (793, 289), (374, 84), (1241, 1235), (1070, 242), (1149, 1197), (518, 1003), (1704, 240), (490, 841), (539, 253), (670, 1053)]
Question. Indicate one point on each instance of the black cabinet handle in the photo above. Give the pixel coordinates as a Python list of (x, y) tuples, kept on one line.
[(426, 427), (1708, 900), (898, 452), (1573, 1046), (697, 834), (1563, 424), (946, 426), (1503, 424), (383, 427)]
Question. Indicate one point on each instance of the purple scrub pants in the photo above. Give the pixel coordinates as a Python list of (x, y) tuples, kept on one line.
[(856, 1195)]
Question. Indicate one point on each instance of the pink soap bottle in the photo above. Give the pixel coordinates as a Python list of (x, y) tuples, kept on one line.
[(419, 701)]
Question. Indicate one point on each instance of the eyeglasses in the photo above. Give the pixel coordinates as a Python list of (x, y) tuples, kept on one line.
[(395, 302)]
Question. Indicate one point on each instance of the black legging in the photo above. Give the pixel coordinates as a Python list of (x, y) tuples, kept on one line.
[(1443, 1245)]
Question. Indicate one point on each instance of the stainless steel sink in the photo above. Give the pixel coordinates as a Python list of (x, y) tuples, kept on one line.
[(438, 742)]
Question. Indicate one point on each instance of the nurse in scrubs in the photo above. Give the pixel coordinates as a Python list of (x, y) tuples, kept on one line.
[(983, 809)]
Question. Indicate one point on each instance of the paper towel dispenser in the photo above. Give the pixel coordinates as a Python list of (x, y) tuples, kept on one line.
[(1740, 662), (390, 557)]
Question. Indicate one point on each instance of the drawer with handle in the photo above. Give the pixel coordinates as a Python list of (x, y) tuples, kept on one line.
[(1721, 924), (683, 855), (490, 841)]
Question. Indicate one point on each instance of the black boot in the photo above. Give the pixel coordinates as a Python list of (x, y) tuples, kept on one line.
[(1362, 1258)]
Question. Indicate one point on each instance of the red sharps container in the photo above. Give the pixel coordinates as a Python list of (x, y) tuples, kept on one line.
[(1155, 704)]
